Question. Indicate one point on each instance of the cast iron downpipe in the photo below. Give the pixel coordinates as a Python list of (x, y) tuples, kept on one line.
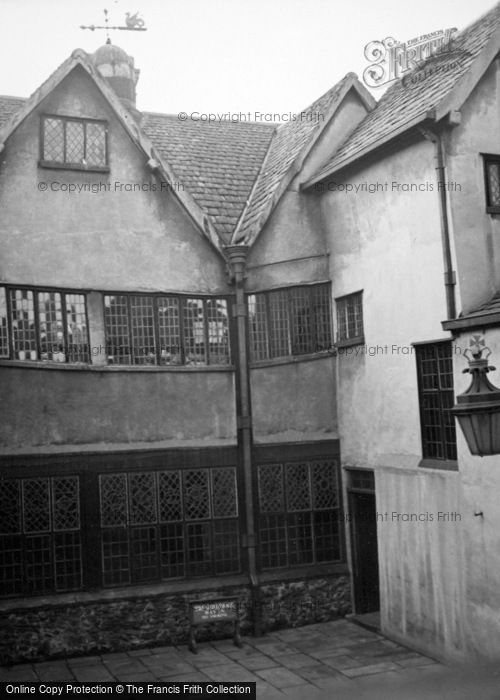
[(237, 255), (449, 273)]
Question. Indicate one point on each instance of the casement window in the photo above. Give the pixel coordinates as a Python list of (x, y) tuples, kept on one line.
[(350, 319), (289, 322), (170, 524), (73, 143), (166, 330), (40, 540), (43, 325), (436, 398), (492, 183), (299, 513)]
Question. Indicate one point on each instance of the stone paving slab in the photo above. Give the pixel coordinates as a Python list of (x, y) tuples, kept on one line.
[(280, 677), (317, 672), (295, 661), (92, 674), (83, 661), (176, 669), (232, 671), (54, 671), (191, 678), (16, 674), (257, 662), (143, 677)]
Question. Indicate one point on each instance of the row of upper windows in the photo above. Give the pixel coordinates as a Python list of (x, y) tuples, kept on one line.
[(170, 330)]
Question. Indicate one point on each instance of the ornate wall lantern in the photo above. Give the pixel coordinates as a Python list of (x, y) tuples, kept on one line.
[(478, 409)]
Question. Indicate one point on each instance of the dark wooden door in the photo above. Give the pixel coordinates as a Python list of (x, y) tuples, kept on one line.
[(365, 553)]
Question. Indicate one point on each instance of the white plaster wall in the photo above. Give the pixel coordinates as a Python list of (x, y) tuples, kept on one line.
[(480, 477), (388, 243)]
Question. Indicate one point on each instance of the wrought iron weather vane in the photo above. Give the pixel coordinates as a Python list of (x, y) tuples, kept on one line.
[(133, 23)]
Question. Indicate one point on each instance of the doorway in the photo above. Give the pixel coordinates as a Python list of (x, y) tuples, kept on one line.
[(363, 525)]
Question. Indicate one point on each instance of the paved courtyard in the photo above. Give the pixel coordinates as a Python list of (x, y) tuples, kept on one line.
[(338, 660)]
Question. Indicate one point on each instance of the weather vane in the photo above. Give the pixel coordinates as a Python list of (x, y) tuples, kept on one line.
[(133, 23)]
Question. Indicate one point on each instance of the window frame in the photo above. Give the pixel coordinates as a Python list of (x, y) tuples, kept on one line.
[(69, 539), (69, 165), (490, 159), (359, 338), (188, 568), (284, 518), (272, 336), (35, 291), (429, 460), (180, 298)]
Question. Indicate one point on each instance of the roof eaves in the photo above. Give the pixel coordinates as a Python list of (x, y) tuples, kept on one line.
[(474, 320), (357, 155)]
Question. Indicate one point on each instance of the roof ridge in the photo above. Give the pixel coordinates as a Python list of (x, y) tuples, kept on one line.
[(175, 117), (12, 97)]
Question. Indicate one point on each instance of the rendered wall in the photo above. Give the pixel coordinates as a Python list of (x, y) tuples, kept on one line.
[(294, 401), (48, 406), (387, 242), (480, 486)]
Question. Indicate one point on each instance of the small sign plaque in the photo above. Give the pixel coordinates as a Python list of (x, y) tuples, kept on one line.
[(213, 610), (206, 611)]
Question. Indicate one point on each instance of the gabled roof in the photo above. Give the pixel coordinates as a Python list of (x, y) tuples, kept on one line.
[(290, 145), (451, 78), (217, 162), (162, 167)]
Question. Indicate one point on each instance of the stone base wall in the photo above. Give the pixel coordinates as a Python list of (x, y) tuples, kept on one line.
[(100, 626)]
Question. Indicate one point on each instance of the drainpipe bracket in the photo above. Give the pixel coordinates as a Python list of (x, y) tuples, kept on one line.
[(247, 540), (239, 310), (450, 278), (243, 422)]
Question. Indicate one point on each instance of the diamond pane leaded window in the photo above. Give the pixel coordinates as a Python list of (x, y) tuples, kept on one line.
[(299, 513), (289, 322), (436, 396), (492, 183), (169, 524), (40, 540), (79, 143), (350, 318)]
